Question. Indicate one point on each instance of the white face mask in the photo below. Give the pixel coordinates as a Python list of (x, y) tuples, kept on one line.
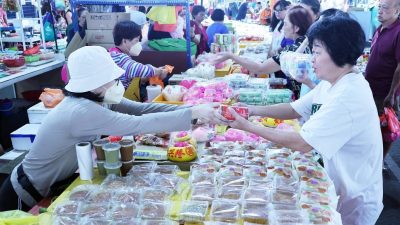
[(135, 49), (114, 94)]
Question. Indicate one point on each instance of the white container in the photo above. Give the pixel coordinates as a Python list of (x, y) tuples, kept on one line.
[(37, 113), (23, 138)]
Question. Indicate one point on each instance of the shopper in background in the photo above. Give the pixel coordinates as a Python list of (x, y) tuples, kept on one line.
[(180, 25), (127, 40), (280, 9), (243, 10), (297, 22), (93, 106), (137, 16), (82, 13), (383, 68), (313, 6), (342, 121), (218, 27), (265, 16), (198, 33)]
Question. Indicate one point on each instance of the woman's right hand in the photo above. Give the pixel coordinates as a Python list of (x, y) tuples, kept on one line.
[(221, 57), (250, 107)]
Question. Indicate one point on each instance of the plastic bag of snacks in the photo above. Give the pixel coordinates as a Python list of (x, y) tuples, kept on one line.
[(154, 210), (128, 196), (193, 211), (297, 65), (230, 192), (204, 193), (81, 192), (256, 194), (255, 212), (224, 211)]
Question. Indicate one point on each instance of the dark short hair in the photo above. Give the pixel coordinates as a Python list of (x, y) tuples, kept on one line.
[(81, 10), (342, 37), (87, 95), (301, 18), (218, 15), (282, 4), (197, 9), (333, 12), (314, 4), (126, 30), (142, 9)]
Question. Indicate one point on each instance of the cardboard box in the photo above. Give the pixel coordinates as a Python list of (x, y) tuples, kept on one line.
[(106, 21), (100, 36), (104, 45), (23, 138), (38, 113)]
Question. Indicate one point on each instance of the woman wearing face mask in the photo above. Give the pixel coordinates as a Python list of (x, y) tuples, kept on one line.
[(297, 22), (81, 116), (127, 37)]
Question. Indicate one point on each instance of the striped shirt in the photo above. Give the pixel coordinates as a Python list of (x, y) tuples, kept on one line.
[(132, 68)]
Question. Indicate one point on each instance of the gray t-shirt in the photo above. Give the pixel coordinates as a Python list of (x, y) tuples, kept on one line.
[(53, 157)]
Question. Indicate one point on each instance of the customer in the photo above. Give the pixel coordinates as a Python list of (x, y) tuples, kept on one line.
[(313, 6), (342, 121), (218, 27), (296, 24), (82, 13), (127, 37), (383, 68), (278, 39), (198, 33), (81, 117)]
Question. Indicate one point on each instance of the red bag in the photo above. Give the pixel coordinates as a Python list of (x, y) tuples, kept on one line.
[(390, 125)]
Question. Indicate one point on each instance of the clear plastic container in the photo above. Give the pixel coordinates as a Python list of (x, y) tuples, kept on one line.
[(81, 192), (114, 182), (230, 193), (204, 193), (255, 194), (100, 168), (96, 211), (67, 208), (225, 211), (114, 169), (130, 195), (100, 196), (154, 210), (255, 212), (284, 197), (193, 211), (124, 211), (166, 169), (111, 151), (98, 146)]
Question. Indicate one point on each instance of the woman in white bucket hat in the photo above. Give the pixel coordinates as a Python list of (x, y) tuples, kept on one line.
[(81, 116)]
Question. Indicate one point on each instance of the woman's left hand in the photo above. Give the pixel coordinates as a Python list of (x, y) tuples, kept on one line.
[(221, 57), (208, 113), (239, 122)]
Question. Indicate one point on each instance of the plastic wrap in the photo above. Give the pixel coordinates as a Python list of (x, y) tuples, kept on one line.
[(193, 211), (224, 211)]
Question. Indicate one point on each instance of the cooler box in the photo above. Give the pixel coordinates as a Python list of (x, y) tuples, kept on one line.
[(23, 138), (37, 113)]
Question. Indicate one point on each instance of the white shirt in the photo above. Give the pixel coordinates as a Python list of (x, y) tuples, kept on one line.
[(343, 126), (277, 38)]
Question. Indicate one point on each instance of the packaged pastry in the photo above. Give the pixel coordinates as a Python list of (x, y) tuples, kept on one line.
[(157, 222), (294, 217), (234, 161), (255, 172), (214, 151), (81, 192), (255, 194), (166, 169), (96, 211), (193, 211), (124, 211), (315, 185), (151, 140), (114, 182), (284, 197), (219, 223), (168, 181), (94, 221), (287, 184), (278, 206), (228, 171), (274, 153), (235, 152), (100, 196), (200, 178), (65, 220), (279, 162), (256, 153), (211, 158), (255, 161), (307, 172), (130, 221), (255, 212), (311, 197), (140, 181), (224, 211), (227, 145), (156, 194), (67, 208), (230, 193), (204, 193), (209, 167), (233, 181), (264, 183), (281, 171), (154, 210), (242, 111), (318, 214), (129, 195), (144, 167)]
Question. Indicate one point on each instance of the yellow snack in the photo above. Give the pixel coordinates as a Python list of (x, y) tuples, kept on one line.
[(184, 153)]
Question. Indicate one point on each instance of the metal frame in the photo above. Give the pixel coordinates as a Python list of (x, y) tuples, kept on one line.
[(185, 3)]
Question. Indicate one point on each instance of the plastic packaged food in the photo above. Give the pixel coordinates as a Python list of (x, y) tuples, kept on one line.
[(227, 145), (154, 210), (128, 196), (141, 181), (255, 194), (234, 160), (200, 178), (65, 220), (204, 193), (67, 208), (96, 211), (256, 153), (114, 182), (277, 206), (227, 171), (286, 184), (279, 162), (94, 221), (81, 192), (208, 167), (168, 181), (255, 172), (281, 171), (255, 161), (224, 211), (293, 217), (255, 212), (233, 181), (211, 159), (193, 211), (307, 172), (264, 183), (124, 211), (315, 197), (166, 169), (230, 193), (148, 167), (235, 152), (156, 194), (318, 214), (214, 151), (100, 196), (284, 197), (157, 222), (315, 185), (111, 151), (152, 140), (131, 221), (242, 111)]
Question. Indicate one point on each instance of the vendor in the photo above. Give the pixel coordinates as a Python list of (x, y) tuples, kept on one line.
[(297, 22), (198, 33), (82, 13), (218, 27), (342, 121), (81, 117), (127, 37)]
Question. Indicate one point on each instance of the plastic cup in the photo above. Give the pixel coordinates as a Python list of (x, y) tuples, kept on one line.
[(113, 169), (126, 167), (126, 150), (111, 152), (98, 147), (100, 167)]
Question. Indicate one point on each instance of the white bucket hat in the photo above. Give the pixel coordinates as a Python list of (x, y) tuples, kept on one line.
[(89, 68)]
